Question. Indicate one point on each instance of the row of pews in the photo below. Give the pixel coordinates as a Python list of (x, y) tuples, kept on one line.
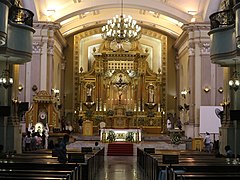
[(187, 165), (42, 165)]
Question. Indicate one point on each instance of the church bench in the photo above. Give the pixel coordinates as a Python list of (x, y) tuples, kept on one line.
[(185, 164), (16, 165), (206, 175), (70, 174), (33, 178), (30, 174), (84, 170), (198, 170)]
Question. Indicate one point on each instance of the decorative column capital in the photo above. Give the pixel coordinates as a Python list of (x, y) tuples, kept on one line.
[(37, 47)]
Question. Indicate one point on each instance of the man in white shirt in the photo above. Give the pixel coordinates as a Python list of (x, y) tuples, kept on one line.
[(207, 142), (169, 124)]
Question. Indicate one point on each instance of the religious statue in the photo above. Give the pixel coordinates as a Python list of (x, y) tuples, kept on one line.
[(31, 128), (119, 95), (151, 95), (89, 91)]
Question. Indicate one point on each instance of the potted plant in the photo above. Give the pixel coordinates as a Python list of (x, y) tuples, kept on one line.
[(176, 138), (129, 137), (111, 136)]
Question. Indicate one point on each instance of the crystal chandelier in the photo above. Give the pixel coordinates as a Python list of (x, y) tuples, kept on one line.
[(121, 29), (234, 82), (5, 79)]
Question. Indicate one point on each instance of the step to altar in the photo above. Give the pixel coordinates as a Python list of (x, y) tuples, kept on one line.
[(120, 149)]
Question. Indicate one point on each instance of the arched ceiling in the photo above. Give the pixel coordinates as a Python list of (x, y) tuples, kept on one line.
[(165, 15)]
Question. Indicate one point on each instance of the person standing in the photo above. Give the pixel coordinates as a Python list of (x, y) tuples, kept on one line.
[(207, 142), (179, 124), (62, 149), (169, 124)]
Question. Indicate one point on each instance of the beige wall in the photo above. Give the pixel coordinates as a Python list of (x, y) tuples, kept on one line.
[(171, 76)]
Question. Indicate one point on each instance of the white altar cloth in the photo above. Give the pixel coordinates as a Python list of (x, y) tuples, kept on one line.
[(121, 134)]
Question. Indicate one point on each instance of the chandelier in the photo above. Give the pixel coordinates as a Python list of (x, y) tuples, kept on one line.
[(121, 29), (234, 82), (6, 80)]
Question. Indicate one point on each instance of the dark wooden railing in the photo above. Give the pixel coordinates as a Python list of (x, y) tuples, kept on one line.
[(21, 16), (222, 19)]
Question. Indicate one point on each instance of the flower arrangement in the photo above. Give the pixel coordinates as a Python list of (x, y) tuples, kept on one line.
[(111, 136), (129, 113), (129, 137), (89, 113), (151, 114), (110, 112), (176, 138)]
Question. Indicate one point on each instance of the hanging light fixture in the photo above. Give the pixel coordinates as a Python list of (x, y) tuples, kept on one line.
[(6, 80), (234, 82), (121, 30)]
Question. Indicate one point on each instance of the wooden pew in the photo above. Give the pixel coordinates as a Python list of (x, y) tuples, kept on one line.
[(206, 175), (189, 163), (74, 170), (40, 165)]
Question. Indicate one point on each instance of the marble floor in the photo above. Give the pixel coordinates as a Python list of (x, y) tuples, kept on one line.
[(119, 168)]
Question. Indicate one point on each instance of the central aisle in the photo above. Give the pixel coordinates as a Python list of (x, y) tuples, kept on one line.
[(119, 168)]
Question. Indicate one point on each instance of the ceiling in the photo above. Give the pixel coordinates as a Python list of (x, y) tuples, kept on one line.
[(165, 15)]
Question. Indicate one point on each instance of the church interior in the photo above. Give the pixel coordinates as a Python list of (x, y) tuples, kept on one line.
[(156, 77)]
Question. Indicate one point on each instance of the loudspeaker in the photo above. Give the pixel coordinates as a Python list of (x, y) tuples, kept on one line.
[(5, 111), (23, 106), (234, 115)]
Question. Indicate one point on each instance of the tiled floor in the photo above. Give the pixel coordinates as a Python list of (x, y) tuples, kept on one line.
[(119, 168)]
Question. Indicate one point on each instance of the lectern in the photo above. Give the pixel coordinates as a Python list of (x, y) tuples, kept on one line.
[(87, 128)]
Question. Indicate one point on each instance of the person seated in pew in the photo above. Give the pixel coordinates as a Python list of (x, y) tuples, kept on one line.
[(96, 147), (62, 149), (2, 154), (229, 153)]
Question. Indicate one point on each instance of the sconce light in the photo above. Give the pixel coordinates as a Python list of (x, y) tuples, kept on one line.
[(55, 91), (206, 89), (5, 79), (20, 87), (34, 88), (184, 93), (234, 82), (220, 90)]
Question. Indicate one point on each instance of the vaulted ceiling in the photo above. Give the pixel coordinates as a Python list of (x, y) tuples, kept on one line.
[(163, 15)]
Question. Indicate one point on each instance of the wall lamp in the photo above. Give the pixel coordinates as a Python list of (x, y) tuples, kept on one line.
[(220, 90), (184, 93), (206, 89)]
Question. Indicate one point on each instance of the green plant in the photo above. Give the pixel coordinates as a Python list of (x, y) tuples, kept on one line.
[(176, 138), (110, 112), (129, 113), (111, 136), (89, 113), (129, 137)]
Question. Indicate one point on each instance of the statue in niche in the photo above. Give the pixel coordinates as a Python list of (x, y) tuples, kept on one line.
[(151, 94), (89, 93)]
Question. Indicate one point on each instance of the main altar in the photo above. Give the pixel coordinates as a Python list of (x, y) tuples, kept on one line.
[(121, 90)]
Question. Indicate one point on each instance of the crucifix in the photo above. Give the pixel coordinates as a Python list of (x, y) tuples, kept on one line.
[(120, 85)]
